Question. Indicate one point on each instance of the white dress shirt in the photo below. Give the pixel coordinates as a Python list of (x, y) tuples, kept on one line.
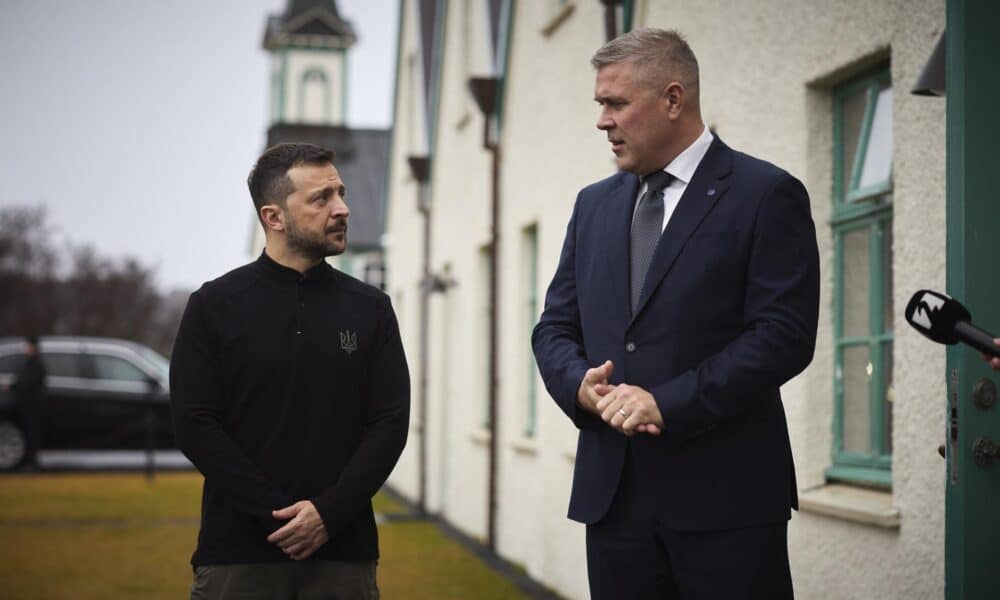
[(682, 169)]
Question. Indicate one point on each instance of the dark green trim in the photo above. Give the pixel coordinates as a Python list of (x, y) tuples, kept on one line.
[(531, 240), (973, 127), (878, 189), (310, 48), (868, 209), (282, 98), (873, 477), (507, 25), (872, 82), (628, 15), (343, 87), (401, 7), (434, 94)]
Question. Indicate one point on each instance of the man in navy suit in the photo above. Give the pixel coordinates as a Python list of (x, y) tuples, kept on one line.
[(686, 294)]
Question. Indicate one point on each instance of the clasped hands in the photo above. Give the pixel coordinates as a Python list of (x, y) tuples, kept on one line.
[(304, 532), (627, 408)]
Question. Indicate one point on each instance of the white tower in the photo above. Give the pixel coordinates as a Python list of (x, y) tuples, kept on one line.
[(308, 45)]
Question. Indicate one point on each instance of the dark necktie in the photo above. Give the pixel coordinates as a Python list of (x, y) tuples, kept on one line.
[(647, 226)]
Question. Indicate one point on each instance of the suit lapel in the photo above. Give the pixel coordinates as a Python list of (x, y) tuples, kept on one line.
[(617, 216), (709, 183)]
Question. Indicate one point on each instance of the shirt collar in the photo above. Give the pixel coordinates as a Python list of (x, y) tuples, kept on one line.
[(280, 272), (684, 165)]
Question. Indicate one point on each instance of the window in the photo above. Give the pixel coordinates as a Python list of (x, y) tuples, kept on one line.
[(529, 243), (11, 363), (314, 97), (863, 310), (116, 369), (61, 364)]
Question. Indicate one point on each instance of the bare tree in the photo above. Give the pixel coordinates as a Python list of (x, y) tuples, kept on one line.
[(97, 296)]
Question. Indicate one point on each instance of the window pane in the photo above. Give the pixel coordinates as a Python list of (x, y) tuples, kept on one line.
[(61, 364), (878, 157), (887, 365), (856, 292), (112, 367), (856, 373), (852, 117), (887, 305), (10, 363)]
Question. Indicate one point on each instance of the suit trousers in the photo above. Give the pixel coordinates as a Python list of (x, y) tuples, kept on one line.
[(631, 555)]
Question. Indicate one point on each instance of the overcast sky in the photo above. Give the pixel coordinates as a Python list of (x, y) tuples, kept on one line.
[(135, 122)]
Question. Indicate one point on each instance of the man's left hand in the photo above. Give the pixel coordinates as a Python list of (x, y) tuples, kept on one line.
[(630, 409), (303, 534)]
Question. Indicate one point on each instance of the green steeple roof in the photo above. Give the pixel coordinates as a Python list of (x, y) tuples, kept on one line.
[(315, 23)]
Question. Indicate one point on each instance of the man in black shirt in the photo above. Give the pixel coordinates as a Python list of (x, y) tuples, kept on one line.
[(290, 393), (29, 395)]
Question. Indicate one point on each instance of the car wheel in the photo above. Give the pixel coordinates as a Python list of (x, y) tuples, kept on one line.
[(12, 445)]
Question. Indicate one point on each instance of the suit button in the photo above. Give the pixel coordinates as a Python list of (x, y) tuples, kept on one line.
[(630, 347)]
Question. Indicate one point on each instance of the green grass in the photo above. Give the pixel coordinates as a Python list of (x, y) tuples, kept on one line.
[(118, 536)]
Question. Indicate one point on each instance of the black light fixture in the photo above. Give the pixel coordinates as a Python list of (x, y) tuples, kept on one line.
[(484, 91), (932, 79)]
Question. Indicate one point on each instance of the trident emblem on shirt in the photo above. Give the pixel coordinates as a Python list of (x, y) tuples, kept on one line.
[(348, 341)]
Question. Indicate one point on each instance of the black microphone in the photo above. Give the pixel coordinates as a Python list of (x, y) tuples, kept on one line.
[(944, 320)]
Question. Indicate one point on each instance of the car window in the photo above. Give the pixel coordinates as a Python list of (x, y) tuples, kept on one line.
[(112, 367), (162, 365), (61, 364), (10, 363)]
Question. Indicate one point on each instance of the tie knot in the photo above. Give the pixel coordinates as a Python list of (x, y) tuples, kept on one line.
[(657, 181)]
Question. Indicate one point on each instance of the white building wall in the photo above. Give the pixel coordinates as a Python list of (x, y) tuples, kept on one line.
[(767, 74), (404, 232), (551, 148)]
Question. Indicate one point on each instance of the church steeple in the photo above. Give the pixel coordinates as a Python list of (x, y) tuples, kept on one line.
[(308, 45)]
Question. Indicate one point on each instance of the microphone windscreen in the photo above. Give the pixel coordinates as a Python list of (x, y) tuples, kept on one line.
[(935, 315)]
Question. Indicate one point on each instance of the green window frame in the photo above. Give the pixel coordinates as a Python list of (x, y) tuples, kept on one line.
[(530, 245), (861, 224)]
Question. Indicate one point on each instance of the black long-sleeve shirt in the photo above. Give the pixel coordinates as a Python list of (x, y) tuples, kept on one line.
[(288, 387)]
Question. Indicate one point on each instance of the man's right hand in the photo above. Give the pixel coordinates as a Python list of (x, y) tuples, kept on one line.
[(587, 396)]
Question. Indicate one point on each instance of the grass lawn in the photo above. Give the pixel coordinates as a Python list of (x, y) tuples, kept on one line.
[(118, 536)]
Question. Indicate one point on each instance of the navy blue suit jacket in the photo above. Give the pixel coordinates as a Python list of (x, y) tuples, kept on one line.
[(727, 315)]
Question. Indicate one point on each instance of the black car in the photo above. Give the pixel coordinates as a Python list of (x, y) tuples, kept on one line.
[(101, 393)]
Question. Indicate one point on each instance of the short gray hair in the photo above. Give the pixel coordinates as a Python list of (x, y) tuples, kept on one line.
[(661, 56)]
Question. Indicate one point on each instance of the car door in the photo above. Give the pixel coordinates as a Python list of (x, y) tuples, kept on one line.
[(64, 423), (121, 399)]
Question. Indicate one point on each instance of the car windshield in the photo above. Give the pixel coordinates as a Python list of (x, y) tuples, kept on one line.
[(162, 365)]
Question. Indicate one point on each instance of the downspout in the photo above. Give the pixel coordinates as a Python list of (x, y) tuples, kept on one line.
[(611, 18), (420, 170), (484, 90)]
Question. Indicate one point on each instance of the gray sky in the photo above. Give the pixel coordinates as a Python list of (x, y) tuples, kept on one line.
[(135, 122)]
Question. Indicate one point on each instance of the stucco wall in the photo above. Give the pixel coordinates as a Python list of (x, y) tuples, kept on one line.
[(767, 71)]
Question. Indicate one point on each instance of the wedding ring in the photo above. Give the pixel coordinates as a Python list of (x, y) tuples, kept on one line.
[(622, 412)]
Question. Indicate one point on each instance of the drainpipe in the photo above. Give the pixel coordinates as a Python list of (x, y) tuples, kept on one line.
[(420, 170), (611, 18), (484, 90)]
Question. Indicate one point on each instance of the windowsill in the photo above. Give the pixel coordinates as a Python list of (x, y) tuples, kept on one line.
[(480, 437), (525, 445), (860, 505), (558, 19)]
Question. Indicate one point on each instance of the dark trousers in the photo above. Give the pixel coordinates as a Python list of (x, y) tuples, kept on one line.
[(631, 555), (303, 580)]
